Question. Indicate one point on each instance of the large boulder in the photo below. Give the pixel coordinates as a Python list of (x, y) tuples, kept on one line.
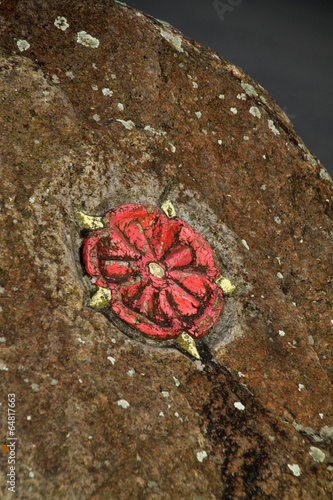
[(103, 106)]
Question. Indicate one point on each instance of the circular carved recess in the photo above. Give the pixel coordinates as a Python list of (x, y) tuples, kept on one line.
[(160, 271)]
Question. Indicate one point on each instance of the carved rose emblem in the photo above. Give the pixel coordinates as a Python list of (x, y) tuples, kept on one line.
[(160, 272)]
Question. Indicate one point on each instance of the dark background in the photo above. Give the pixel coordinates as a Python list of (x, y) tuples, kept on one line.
[(286, 46)]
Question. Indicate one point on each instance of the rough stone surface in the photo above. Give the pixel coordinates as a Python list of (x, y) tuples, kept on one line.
[(118, 114)]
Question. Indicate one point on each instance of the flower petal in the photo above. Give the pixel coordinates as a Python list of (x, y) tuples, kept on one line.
[(145, 303), (114, 246), (179, 257), (164, 306), (131, 290), (133, 231), (134, 319), (194, 283), (206, 320), (182, 302), (117, 270), (164, 235), (203, 255)]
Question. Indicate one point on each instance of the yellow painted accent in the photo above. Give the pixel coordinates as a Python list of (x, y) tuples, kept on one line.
[(187, 343), (101, 298), (168, 209), (156, 270), (89, 222), (226, 285)]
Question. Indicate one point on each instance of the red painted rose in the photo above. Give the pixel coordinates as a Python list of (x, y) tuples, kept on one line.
[(160, 272)]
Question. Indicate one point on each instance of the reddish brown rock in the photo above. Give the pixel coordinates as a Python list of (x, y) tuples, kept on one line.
[(103, 106)]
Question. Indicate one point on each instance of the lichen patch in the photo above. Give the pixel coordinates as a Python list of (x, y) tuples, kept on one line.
[(61, 23), (87, 40)]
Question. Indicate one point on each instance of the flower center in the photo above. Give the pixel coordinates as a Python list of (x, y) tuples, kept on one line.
[(156, 270)]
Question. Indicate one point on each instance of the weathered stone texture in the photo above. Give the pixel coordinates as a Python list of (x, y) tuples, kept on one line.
[(93, 127)]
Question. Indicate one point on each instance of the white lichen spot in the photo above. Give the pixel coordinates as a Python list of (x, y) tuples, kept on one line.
[(113, 76), (221, 96), (107, 92), (277, 220), (195, 85), (239, 406), (280, 276), (87, 40), (127, 124), (120, 106), (3, 367), (172, 147), (240, 374), (131, 372), (94, 87), (234, 111), (123, 403), (161, 414), (199, 365), (111, 359), (32, 199), (264, 157), (245, 244), (249, 89), (176, 381), (272, 127), (96, 117), (311, 340), (317, 454), (295, 469), (311, 159), (300, 387), (241, 96), (324, 174), (154, 130), (165, 394), (246, 138), (220, 142), (204, 131), (61, 23), (22, 45), (29, 417), (81, 341), (199, 114), (255, 111), (175, 41), (176, 414), (201, 455), (70, 75), (321, 415), (2, 340), (55, 79), (282, 333)]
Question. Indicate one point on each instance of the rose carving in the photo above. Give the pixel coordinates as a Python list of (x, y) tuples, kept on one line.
[(160, 272)]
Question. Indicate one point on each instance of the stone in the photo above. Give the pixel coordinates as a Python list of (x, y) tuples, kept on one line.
[(231, 176)]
